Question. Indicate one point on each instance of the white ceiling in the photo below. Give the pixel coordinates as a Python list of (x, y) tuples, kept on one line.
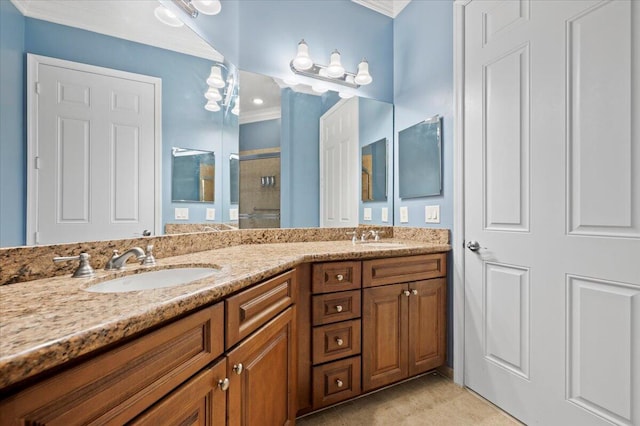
[(258, 86), (127, 19), (390, 8)]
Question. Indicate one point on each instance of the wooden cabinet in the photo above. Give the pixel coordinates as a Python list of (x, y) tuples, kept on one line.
[(262, 375), (404, 327), (120, 384), (200, 401)]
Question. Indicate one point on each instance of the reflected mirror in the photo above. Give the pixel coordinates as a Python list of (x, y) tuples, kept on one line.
[(420, 159), (374, 171), (192, 175)]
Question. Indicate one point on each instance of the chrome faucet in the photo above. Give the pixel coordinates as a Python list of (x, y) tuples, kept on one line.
[(118, 261)]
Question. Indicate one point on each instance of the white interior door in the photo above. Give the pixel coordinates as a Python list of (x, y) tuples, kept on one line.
[(339, 165), (552, 195), (93, 153)]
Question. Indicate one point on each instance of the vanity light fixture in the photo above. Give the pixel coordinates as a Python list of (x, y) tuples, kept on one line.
[(167, 17), (213, 94), (212, 106), (215, 78), (236, 106), (302, 64)]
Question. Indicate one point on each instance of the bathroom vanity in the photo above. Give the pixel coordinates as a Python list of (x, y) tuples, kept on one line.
[(279, 331)]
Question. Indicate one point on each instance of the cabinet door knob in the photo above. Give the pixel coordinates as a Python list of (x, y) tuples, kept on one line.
[(340, 277), (406, 293), (339, 308), (339, 383), (339, 341), (238, 368), (223, 384), (414, 292)]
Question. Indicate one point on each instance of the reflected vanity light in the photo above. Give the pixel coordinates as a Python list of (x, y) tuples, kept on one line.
[(345, 95), (302, 64), (236, 106), (195, 7), (257, 101), (215, 77), (167, 17), (213, 94), (212, 106), (319, 88)]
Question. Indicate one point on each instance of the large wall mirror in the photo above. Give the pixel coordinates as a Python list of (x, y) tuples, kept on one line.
[(101, 34), (280, 128)]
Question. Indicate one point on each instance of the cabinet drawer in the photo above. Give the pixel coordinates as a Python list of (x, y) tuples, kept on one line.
[(334, 307), (116, 386), (403, 269), (254, 307), (335, 341), (336, 276), (336, 381)]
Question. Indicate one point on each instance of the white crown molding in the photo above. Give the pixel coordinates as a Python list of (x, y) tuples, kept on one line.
[(390, 8), (260, 115)]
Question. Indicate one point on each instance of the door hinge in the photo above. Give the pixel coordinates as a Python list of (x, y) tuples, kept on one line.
[(37, 163), (37, 88)]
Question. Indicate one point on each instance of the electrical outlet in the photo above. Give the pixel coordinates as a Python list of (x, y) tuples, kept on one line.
[(367, 213), (432, 214), (385, 214), (233, 214), (211, 214), (181, 213), (404, 214)]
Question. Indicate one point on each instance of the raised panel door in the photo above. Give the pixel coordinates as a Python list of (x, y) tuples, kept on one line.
[(427, 325), (385, 319)]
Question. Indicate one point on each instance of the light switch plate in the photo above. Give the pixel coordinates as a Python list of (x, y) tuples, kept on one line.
[(385, 214), (211, 214), (404, 214), (233, 214), (181, 213), (367, 213), (432, 214)]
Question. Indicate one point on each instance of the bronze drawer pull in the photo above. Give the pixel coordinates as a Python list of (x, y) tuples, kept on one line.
[(339, 341)]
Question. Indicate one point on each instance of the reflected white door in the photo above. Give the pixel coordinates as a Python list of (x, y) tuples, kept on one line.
[(93, 153), (552, 196), (339, 165)]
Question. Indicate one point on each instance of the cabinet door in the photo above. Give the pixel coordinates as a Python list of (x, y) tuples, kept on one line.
[(427, 325), (262, 375), (384, 335), (200, 401)]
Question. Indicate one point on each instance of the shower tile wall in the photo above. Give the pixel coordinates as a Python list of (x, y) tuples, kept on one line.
[(259, 205)]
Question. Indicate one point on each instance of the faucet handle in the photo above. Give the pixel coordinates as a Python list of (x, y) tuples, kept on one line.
[(149, 259), (354, 238), (376, 233), (84, 269)]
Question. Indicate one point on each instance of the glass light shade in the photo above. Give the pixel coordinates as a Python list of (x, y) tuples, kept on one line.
[(212, 106), (215, 78), (213, 94), (345, 95), (302, 61), (363, 77), (319, 88), (290, 81), (236, 107), (335, 68), (167, 17), (207, 7)]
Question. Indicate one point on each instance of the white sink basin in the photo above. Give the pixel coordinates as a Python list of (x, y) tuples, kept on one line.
[(151, 280), (384, 245)]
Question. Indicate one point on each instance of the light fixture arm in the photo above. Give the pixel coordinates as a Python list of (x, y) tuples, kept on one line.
[(187, 7), (314, 72)]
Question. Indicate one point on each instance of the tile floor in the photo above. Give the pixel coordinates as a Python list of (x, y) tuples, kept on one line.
[(428, 400)]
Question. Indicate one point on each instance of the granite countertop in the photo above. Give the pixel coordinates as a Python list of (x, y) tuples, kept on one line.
[(48, 322)]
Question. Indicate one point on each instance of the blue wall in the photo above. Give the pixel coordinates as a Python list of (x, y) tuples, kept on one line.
[(260, 135), (13, 179), (375, 123), (423, 87)]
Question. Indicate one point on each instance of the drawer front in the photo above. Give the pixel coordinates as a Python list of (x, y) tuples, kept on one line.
[(333, 307), (254, 307), (336, 381), (336, 276), (118, 385), (403, 269), (335, 341)]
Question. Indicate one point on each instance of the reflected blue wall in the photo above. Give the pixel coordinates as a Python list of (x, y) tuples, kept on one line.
[(260, 135), (12, 127)]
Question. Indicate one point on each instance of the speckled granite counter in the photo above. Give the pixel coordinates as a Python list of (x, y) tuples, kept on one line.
[(48, 322)]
